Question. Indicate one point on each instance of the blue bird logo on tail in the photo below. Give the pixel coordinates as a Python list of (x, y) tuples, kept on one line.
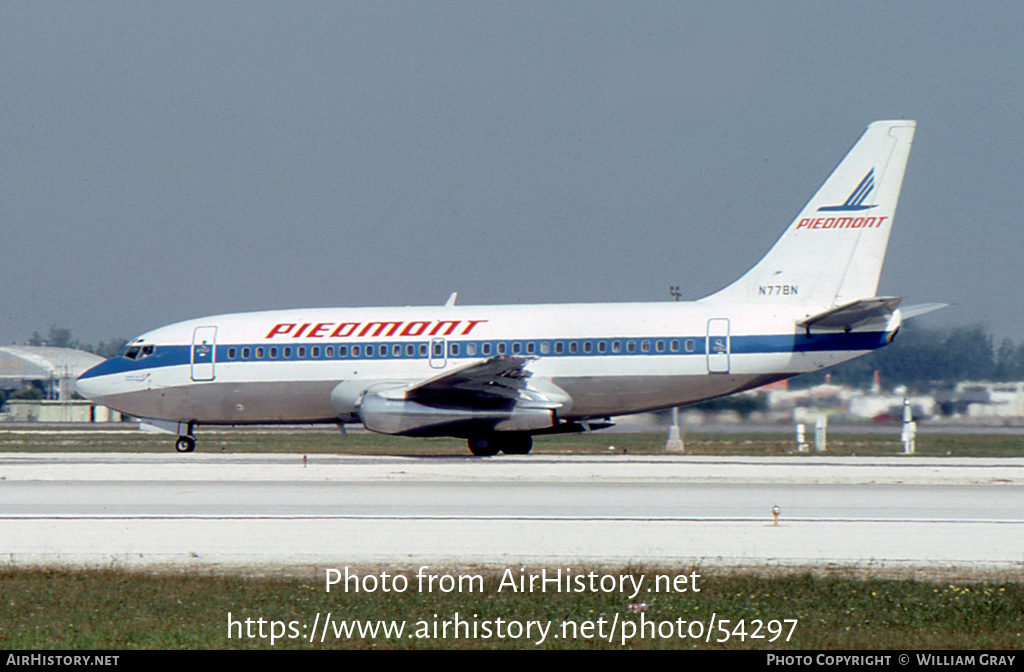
[(856, 200)]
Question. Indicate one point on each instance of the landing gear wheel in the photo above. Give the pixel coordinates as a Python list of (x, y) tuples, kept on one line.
[(517, 445), (185, 444), (483, 446)]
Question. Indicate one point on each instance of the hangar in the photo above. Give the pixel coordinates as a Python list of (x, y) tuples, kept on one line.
[(55, 368)]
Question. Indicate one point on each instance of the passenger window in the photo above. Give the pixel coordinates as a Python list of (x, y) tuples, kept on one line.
[(438, 349), (616, 346), (287, 353), (355, 350), (453, 349), (690, 345), (302, 353), (559, 347), (501, 348), (573, 347), (246, 353), (329, 351), (316, 352), (410, 350), (531, 348), (674, 345), (602, 346), (630, 346), (486, 349), (382, 350), (645, 346), (471, 349), (259, 353), (545, 348), (588, 347), (660, 346), (517, 347), (231, 353), (423, 349), (273, 353), (342, 351)]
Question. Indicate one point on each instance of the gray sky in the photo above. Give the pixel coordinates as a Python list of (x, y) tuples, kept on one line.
[(162, 161)]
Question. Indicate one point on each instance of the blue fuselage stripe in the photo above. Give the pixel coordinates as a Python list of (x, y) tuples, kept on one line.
[(654, 346)]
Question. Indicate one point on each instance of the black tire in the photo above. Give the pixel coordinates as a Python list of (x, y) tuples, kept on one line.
[(483, 446), (517, 445), (185, 444)]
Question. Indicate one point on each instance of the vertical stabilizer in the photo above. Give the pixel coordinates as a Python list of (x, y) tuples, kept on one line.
[(833, 251)]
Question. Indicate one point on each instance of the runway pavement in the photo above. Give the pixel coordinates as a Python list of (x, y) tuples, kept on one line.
[(210, 509)]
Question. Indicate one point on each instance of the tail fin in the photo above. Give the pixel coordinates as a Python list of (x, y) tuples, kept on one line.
[(833, 251)]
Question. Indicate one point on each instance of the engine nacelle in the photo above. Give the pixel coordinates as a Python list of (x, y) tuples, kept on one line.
[(399, 416), (347, 396)]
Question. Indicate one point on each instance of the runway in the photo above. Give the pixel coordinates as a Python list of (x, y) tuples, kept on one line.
[(278, 510)]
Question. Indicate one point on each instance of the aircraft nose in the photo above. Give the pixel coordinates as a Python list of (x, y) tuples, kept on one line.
[(90, 385)]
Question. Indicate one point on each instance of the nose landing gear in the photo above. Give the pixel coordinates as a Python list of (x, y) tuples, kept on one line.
[(186, 442)]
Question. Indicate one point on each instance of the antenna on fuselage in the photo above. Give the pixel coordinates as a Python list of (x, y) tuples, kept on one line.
[(451, 300)]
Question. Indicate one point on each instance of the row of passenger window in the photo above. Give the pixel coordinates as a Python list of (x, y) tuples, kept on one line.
[(328, 352), (456, 349)]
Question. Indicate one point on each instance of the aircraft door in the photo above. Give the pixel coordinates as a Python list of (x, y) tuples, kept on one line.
[(438, 353), (204, 353), (718, 345)]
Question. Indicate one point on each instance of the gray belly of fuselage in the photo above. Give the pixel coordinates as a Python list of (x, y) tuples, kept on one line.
[(214, 403)]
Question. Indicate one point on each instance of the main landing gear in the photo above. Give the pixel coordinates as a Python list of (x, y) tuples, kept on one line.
[(185, 444), (492, 444)]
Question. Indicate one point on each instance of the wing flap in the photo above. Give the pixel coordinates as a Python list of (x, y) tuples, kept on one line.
[(498, 378)]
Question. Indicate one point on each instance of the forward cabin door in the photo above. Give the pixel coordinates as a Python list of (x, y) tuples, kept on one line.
[(718, 345), (204, 353), (438, 353)]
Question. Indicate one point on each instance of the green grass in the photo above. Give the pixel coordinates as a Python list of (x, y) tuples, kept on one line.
[(48, 609), (313, 442)]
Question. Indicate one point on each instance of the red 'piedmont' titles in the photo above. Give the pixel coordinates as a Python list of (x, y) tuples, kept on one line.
[(841, 223), (372, 329)]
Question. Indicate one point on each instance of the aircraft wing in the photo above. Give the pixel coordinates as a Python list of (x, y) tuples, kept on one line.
[(498, 379)]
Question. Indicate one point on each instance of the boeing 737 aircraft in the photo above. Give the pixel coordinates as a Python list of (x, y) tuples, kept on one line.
[(498, 375)]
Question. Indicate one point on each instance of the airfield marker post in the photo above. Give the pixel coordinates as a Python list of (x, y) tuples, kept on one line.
[(820, 431), (909, 434), (801, 438), (674, 444)]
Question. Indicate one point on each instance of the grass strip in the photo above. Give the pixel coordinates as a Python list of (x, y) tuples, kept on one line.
[(316, 442), (118, 609)]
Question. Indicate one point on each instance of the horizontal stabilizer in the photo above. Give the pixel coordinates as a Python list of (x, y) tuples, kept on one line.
[(854, 314), (921, 309)]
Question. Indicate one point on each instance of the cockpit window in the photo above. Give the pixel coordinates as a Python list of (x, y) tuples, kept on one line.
[(139, 352)]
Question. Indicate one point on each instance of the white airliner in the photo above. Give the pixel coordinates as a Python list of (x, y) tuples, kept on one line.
[(497, 375)]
